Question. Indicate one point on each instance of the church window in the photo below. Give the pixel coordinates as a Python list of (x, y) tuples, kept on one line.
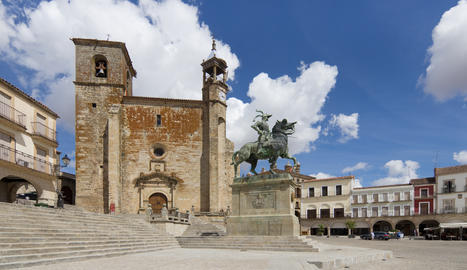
[(159, 151), (159, 120)]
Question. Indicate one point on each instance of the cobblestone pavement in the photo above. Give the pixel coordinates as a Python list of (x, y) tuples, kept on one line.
[(410, 254)]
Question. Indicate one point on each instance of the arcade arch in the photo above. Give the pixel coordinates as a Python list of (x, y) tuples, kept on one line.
[(406, 226)]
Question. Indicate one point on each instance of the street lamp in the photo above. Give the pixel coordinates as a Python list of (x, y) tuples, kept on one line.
[(66, 161)]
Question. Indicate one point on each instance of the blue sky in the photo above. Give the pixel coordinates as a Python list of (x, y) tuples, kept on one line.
[(353, 73)]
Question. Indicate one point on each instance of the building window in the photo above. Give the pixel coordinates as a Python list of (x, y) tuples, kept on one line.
[(339, 190), (407, 195), (406, 210), (311, 213), (424, 208), (338, 212), (397, 196), (449, 186), (5, 143), (385, 197), (324, 191), (311, 192), (159, 151), (397, 211), (375, 198), (364, 212), (159, 120), (374, 211), (448, 206), (325, 213), (384, 211), (355, 198), (365, 198), (424, 192), (355, 212)]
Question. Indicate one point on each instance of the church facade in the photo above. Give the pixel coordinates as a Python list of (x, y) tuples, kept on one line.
[(133, 151)]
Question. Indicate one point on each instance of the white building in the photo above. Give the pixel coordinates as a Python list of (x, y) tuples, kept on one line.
[(27, 147), (451, 189), (380, 201)]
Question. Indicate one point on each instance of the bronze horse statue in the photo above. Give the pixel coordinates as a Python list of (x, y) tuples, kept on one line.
[(271, 150)]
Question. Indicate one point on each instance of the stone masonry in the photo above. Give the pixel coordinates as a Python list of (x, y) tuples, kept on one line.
[(129, 148)]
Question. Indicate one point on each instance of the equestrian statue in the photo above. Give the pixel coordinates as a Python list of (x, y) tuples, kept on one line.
[(269, 146)]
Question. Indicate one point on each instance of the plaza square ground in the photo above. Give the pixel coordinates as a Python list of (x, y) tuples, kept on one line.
[(408, 254)]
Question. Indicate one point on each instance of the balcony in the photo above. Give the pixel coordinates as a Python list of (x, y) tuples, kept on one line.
[(25, 160), (449, 189), (12, 115), (41, 130)]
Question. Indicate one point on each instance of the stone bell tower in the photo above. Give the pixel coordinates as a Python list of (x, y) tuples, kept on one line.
[(104, 74), (214, 174)]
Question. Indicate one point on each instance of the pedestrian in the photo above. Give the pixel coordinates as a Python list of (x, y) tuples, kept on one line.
[(372, 235)]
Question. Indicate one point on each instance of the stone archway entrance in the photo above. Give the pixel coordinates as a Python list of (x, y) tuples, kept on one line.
[(15, 189), (382, 226), (406, 226), (157, 201)]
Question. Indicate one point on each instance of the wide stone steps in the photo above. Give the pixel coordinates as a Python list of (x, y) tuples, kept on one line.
[(34, 235), (252, 242), (67, 257)]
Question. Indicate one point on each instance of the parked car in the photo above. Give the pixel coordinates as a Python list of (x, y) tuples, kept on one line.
[(366, 236), (382, 235)]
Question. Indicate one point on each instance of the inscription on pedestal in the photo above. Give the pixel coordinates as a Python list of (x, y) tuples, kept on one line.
[(261, 200)]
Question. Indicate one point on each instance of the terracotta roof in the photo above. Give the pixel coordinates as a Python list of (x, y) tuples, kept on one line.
[(423, 181), (331, 178), (107, 43), (397, 185), (26, 96), (450, 170)]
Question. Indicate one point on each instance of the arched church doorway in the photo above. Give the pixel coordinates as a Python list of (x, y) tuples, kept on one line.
[(157, 201), (67, 195)]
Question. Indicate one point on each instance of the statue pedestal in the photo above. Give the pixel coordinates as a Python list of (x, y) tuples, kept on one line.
[(262, 205)]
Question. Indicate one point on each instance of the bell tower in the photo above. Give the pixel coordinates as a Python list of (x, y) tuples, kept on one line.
[(104, 74), (214, 168)]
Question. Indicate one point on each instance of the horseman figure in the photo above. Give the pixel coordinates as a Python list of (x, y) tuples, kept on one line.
[(269, 146)]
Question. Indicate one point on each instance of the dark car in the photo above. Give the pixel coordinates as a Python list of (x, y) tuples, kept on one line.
[(365, 236), (382, 235)]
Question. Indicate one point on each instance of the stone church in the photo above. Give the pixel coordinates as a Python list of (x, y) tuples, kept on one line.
[(133, 151)]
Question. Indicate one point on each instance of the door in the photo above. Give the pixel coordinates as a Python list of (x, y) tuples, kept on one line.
[(5, 143), (157, 201), (424, 208)]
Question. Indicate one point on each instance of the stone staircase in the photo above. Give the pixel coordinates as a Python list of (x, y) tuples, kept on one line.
[(270, 243), (34, 235)]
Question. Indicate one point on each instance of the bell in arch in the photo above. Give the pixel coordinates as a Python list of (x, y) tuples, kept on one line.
[(101, 69)]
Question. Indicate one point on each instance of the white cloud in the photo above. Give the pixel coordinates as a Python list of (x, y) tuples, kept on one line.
[(347, 125), (445, 76), (356, 167), (399, 172), (298, 100), (322, 175), (460, 157), (166, 56)]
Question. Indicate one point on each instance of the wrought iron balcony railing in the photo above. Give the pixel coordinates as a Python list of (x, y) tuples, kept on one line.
[(44, 131), (12, 114), (26, 160)]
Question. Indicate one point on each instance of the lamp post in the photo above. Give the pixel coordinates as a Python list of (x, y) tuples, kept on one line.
[(57, 167)]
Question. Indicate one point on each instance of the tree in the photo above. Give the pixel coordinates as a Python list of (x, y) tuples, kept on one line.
[(320, 229), (350, 225)]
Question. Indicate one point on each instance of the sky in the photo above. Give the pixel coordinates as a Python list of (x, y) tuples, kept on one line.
[(378, 88)]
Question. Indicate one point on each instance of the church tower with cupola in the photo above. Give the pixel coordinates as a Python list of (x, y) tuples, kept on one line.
[(216, 173)]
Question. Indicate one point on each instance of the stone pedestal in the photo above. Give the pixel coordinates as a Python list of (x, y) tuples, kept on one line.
[(262, 205)]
